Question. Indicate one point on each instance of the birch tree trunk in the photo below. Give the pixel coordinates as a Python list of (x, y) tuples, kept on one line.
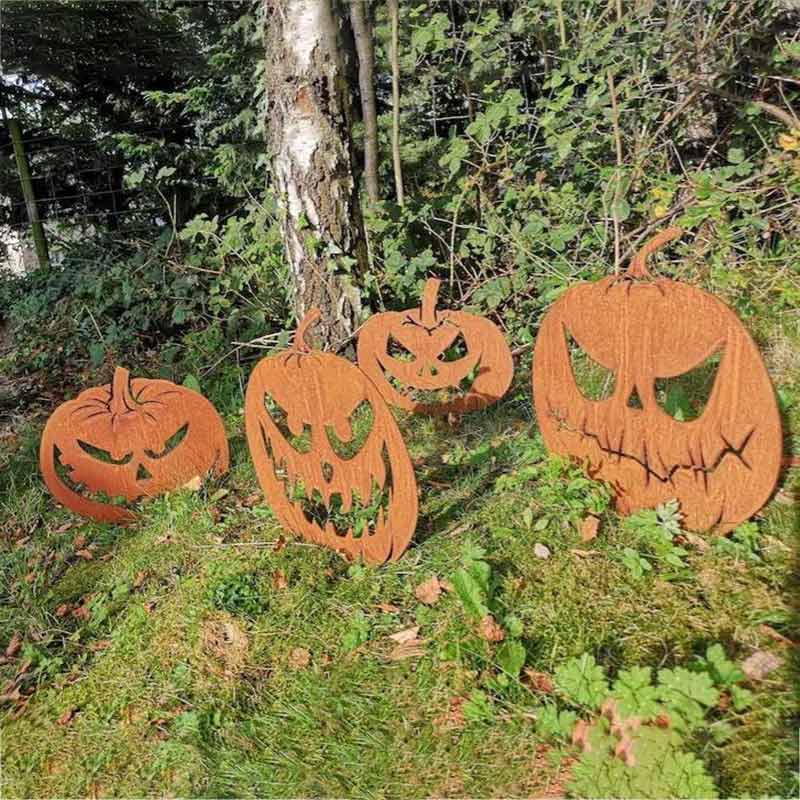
[(308, 136)]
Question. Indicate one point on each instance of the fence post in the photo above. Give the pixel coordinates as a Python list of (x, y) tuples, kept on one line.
[(39, 239)]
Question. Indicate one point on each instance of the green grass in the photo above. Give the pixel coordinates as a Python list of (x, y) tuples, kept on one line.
[(192, 691)]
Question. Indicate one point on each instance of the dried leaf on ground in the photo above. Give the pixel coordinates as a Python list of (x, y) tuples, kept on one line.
[(79, 541), (589, 528), (299, 658), (11, 696), (63, 610), (279, 581), (409, 645), (429, 591), (453, 718), (698, 542), (67, 717), (194, 484), (226, 643), (412, 649), (541, 551), (490, 630), (775, 636), (760, 664), (388, 608), (14, 645), (540, 682), (580, 735), (406, 635), (100, 644), (140, 578), (85, 554)]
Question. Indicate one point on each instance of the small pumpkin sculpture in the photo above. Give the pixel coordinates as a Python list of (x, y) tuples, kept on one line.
[(722, 466), (129, 439), (410, 348), (301, 407)]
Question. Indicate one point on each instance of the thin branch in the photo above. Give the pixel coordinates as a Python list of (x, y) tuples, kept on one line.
[(618, 143), (365, 50), (394, 15)]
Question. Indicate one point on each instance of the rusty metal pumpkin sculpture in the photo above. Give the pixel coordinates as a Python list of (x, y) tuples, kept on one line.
[(129, 439), (721, 465), (301, 411), (411, 349)]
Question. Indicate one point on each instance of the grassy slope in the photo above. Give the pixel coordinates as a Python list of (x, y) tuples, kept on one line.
[(177, 696)]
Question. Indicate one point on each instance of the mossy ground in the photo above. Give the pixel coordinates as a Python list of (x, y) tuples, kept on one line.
[(178, 678)]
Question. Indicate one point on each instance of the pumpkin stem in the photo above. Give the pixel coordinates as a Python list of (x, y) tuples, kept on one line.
[(308, 321), (638, 265), (430, 295), (121, 398)]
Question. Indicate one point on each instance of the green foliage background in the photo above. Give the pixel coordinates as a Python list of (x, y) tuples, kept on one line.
[(509, 149)]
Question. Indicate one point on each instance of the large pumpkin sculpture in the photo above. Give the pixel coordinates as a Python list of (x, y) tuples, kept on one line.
[(129, 439), (411, 349), (722, 465), (301, 409)]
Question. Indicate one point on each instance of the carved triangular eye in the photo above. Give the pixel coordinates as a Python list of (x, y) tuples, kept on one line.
[(103, 455), (301, 443), (170, 444), (686, 396), (398, 350), (595, 381), (457, 350)]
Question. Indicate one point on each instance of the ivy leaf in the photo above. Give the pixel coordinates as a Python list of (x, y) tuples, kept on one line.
[(471, 582), (471, 591), (583, 681), (635, 694), (511, 658), (686, 693)]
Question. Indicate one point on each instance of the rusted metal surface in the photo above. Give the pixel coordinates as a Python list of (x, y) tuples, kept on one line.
[(422, 337), (721, 466), (301, 410), (129, 439)]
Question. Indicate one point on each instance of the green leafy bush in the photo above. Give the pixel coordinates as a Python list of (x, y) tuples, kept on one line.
[(637, 733), (238, 594), (654, 532)]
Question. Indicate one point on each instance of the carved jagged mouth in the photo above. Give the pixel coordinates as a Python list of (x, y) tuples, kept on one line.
[(653, 465), (362, 517), (444, 395), (64, 473)]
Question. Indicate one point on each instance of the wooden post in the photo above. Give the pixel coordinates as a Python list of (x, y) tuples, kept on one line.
[(39, 240)]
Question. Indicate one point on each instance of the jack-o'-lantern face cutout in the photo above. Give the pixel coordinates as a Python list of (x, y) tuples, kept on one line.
[(328, 453), (130, 439), (646, 335), (425, 351)]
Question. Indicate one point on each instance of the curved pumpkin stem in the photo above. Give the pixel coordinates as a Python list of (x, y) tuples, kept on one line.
[(121, 398), (308, 321), (638, 265), (430, 294)]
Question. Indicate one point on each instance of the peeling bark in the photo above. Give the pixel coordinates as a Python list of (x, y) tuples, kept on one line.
[(308, 136)]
